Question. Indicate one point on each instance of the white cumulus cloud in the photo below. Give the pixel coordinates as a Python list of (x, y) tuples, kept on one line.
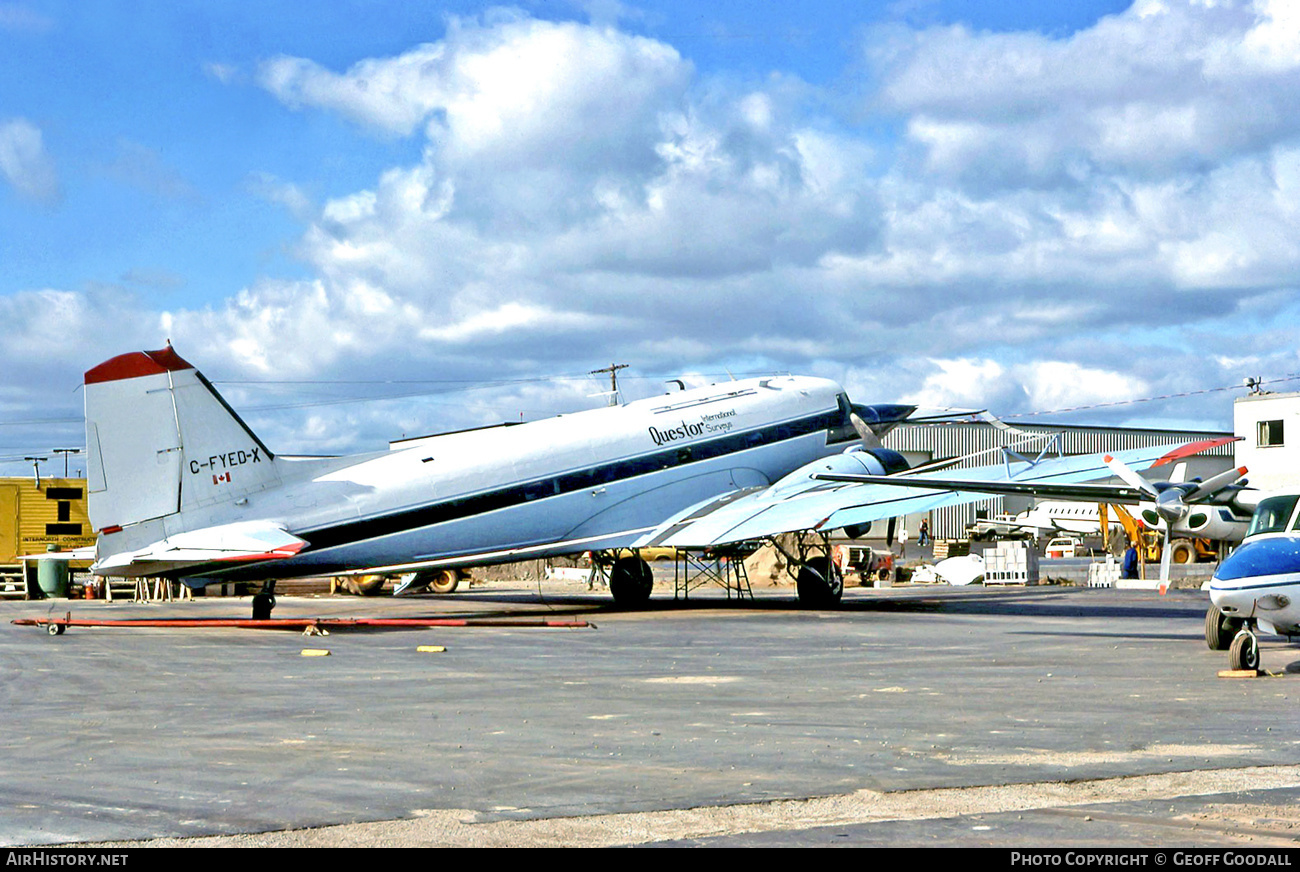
[(24, 162)]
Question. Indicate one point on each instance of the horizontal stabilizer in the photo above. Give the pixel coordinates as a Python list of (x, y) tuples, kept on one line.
[(242, 542)]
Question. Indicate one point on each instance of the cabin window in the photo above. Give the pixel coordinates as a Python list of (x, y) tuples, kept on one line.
[(1268, 434), (1272, 514)]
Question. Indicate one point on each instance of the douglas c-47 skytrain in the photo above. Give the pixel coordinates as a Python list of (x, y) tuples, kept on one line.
[(180, 487)]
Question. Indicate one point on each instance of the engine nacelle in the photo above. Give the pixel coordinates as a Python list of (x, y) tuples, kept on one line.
[(1213, 522), (890, 461), (855, 461), (1201, 522)]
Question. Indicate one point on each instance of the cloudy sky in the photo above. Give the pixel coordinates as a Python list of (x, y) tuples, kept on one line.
[(462, 209)]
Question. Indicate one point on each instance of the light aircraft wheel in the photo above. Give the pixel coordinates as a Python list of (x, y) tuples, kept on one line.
[(1219, 629), (819, 584), (1182, 551), (444, 581), (1244, 653), (630, 582), (262, 605)]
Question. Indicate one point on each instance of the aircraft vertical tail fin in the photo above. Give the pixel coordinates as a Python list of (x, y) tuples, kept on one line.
[(160, 440)]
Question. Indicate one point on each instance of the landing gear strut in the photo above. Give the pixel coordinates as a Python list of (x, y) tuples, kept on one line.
[(816, 577)]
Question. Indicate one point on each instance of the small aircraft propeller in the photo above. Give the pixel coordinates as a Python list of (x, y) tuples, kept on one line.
[(872, 423), (1173, 500), (869, 439)]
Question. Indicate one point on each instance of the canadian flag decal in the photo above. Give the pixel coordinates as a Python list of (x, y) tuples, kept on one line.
[(218, 479)]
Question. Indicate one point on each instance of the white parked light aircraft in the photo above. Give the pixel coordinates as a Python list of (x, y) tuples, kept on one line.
[(1258, 586), (180, 487)]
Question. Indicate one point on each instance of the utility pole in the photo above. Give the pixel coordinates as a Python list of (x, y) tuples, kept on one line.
[(612, 369), (65, 452)]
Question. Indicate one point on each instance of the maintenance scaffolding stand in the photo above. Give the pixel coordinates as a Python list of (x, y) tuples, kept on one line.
[(723, 566)]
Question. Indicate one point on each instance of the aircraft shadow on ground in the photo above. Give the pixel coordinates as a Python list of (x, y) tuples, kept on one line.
[(1006, 603)]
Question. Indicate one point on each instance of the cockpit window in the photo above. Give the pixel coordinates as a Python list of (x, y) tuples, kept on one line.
[(1272, 514)]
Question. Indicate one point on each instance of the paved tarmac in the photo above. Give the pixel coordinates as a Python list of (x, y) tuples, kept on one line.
[(1097, 704)]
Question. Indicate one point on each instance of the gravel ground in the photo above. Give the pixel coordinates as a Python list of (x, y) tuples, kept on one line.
[(1254, 824)]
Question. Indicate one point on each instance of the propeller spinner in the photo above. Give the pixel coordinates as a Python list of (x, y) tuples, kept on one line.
[(1173, 501)]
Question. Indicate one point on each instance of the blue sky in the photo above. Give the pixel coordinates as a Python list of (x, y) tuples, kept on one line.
[(1026, 206)]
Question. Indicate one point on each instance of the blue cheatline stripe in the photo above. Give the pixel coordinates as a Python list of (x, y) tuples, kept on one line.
[(568, 482)]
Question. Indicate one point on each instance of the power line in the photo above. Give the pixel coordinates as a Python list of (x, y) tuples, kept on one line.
[(1285, 378)]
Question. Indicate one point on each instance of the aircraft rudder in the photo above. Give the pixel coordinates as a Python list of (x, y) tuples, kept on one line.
[(161, 439)]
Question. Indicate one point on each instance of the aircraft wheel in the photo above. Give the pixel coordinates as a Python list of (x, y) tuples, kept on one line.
[(630, 582), (444, 581), (1244, 653), (819, 584), (262, 605), (1220, 629)]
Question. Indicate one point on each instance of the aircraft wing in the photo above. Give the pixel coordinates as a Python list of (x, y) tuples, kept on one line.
[(831, 493), (243, 542)]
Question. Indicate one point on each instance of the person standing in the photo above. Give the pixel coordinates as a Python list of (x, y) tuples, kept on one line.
[(1129, 568)]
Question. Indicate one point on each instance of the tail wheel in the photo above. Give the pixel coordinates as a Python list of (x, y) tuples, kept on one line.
[(630, 582), (1244, 653), (1220, 629), (819, 583)]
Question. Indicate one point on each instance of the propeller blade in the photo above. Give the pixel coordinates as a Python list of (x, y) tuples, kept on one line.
[(1164, 564), (869, 439), (1129, 476), (889, 532), (1216, 483)]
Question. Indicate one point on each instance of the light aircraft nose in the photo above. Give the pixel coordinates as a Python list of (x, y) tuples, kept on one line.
[(1256, 570), (1257, 561)]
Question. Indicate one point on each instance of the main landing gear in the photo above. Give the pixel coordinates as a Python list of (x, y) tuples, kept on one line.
[(1234, 635), (263, 602), (630, 582), (817, 579), (819, 582)]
